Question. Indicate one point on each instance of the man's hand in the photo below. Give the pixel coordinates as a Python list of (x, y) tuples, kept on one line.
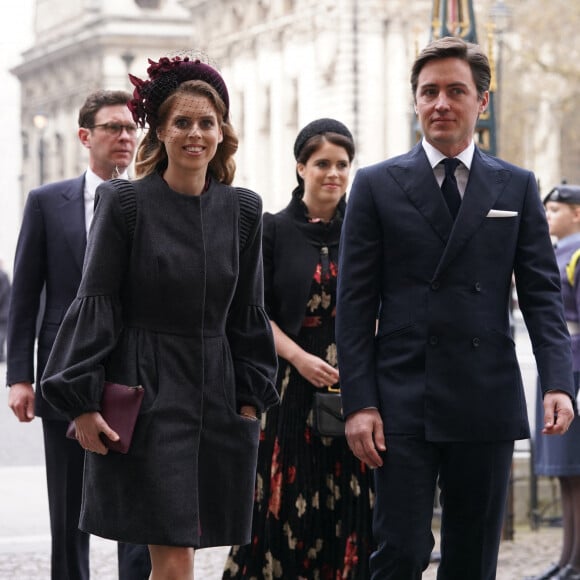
[(21, 401), (558, 413), (365, 436)]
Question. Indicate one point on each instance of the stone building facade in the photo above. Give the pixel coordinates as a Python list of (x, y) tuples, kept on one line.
[(286, 62), (81, 46)]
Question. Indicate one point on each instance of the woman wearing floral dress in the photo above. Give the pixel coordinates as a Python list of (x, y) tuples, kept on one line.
[(313, 503)]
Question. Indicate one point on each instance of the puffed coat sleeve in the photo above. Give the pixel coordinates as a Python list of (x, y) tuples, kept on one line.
[(73, 379), (248, 329)]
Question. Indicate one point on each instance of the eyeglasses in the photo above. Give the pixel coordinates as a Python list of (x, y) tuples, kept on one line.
[(116, 128)]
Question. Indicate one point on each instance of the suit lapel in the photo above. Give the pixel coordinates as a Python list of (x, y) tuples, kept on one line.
[(414, 175), (487, 180), (72, 216)]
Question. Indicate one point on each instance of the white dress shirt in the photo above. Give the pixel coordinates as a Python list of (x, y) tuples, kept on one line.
[(461, 173), (92, 181)]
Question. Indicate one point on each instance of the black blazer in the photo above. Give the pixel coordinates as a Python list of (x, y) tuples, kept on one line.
[(443, 363), (4, 303), (49, 256)]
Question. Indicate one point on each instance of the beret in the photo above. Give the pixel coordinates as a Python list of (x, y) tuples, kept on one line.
[(564, 193), (164, 77), (319, 127)]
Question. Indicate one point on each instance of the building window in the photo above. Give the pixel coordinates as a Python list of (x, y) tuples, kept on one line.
[(25, 144), (288, 6), (148, 3), (60, 153)]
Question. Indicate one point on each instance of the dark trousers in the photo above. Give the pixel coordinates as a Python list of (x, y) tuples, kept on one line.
[(2, 344), (64, 460), (134, 561), (473, 478)]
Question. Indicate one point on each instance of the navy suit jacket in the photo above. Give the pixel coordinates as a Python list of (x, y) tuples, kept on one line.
[(443, 363), (49, 256)]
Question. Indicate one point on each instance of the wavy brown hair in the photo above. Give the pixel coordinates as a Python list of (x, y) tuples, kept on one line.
[(152, 156), (96, 101), (453, 47)]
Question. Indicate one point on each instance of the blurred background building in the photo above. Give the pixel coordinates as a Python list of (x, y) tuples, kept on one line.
[(289, 61), (80, 46)]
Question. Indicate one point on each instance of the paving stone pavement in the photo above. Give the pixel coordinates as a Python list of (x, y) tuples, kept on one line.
[(530, 552), (24, 527), (33, 562)]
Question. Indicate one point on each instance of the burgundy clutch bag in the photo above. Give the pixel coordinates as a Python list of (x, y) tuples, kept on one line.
[(119, 407)]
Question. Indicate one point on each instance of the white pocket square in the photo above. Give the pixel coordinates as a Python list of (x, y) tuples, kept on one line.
[(501, 213)]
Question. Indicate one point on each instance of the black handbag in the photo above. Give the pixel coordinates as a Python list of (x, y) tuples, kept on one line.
[(327, 419)]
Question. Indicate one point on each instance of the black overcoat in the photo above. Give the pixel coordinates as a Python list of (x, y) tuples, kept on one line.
[(179, 310)]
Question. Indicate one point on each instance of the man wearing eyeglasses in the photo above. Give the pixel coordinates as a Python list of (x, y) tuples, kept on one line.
[(48, 263)]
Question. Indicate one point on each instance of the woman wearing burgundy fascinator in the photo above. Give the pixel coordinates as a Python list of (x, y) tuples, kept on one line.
[(172, 299), (313, 500)]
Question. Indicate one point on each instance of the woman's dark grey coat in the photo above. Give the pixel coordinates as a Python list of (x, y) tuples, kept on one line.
[(179, 310)]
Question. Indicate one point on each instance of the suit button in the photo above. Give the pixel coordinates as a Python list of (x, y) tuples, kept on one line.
[(476, 342), (433, 341), (435, 285), (477, 287)]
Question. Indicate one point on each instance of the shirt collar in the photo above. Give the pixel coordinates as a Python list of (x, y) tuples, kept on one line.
[(568, 241), (435, 156), (92, 181)]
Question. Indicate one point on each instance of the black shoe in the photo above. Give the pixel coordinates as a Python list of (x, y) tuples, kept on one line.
[(568, 573), (547, 574)]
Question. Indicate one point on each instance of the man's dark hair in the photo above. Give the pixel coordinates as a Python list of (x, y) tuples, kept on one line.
[(454, 47), (96, 101)]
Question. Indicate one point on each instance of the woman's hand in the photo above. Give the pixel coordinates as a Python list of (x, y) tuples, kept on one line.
[(315, 370), (249, 412), (89, 427)]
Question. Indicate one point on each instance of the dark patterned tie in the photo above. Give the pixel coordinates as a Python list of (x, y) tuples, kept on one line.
[(449, 186)]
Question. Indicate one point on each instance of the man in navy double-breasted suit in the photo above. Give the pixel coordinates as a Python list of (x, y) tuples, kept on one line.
[(436, 393), (48, 262)]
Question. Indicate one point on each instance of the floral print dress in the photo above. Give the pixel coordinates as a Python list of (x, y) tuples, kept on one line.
[(313, 504)]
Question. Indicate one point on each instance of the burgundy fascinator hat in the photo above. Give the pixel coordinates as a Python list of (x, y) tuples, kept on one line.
[(164, 77)]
